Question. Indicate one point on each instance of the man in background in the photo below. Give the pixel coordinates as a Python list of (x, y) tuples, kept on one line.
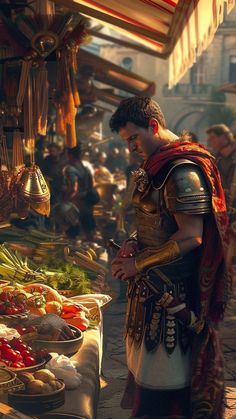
[(222, 142)]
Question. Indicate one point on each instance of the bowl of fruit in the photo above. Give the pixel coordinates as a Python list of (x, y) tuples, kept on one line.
[(42, 392), (51, 332), (64, 347), (17, 355), (12, 307)]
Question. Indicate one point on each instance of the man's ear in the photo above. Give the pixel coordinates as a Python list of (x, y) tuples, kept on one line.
[(153, 124)]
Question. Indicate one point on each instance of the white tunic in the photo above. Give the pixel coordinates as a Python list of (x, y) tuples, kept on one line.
[(158, 370)]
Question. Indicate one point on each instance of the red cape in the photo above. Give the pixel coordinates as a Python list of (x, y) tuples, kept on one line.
[(213, 278), (207, 380)]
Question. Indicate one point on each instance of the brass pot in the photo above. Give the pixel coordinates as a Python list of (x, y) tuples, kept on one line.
[(34, 190)]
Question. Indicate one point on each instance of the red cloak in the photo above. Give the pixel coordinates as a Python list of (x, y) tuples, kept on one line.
[(207, 382)]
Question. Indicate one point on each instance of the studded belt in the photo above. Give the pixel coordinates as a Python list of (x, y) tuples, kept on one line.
[(146, 319)]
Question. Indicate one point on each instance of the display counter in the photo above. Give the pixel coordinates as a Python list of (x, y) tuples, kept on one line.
[(83, 400)]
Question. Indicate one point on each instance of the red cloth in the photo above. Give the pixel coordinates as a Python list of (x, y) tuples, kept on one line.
[(207, 381), (213, 278)]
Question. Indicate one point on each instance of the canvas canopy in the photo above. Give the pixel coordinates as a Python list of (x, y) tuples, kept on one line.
[(176, 29)]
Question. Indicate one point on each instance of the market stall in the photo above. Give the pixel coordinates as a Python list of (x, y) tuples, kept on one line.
[(179, 30), (50, 310), (34, 322)]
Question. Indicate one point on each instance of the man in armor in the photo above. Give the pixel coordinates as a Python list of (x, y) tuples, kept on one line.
[(174, 264)]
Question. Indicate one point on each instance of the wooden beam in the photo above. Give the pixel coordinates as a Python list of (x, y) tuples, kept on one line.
[(88, 11), (124, 43)]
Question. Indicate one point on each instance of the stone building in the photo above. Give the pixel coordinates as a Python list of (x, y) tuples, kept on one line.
[(186, 105)]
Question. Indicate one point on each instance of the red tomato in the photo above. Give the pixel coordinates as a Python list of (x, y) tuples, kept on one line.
[(15, 342), (18, 365), (21, 307), (30, 361), (5, 347), (20, 346), (12, 310), (26, 353), (11, 355), (19, 355), (21, 330), (4, 341), (4, 296)]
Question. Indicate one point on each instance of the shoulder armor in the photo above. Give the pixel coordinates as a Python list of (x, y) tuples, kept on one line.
[(186, 189)]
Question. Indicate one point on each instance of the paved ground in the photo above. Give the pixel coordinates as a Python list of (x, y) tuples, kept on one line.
[(114, 363)]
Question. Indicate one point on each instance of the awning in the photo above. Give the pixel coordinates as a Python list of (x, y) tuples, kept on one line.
[(178, 29), (114, 75)]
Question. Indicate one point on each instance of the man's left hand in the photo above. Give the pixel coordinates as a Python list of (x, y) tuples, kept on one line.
[(124, 268)]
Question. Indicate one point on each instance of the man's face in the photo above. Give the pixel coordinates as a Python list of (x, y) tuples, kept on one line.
[(139, 140), (216, 142)]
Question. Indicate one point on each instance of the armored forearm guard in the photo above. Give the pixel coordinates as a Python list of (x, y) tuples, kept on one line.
[(162, 255)]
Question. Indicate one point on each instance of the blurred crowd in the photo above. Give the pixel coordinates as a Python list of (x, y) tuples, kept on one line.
[(87, 186), (91, 188)]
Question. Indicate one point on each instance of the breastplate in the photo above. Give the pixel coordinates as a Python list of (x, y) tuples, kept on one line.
[(154, 224)]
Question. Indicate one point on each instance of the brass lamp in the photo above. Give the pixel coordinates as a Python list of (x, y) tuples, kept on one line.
[(34, 190)]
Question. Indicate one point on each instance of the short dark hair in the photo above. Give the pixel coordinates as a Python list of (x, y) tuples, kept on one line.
[(75, 151), (221, 129), (139, 111)]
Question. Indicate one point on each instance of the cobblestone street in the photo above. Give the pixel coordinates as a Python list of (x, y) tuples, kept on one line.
[(114, 369)]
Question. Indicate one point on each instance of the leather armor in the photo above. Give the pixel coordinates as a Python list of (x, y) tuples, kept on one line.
[(180, 188)]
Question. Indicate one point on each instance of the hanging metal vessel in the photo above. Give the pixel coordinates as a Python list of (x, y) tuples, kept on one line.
[(34, 189)]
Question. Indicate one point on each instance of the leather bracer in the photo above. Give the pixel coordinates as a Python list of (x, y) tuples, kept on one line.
[(163, 255)]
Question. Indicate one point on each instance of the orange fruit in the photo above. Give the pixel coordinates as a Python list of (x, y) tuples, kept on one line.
[(39, 311), (53, 307)]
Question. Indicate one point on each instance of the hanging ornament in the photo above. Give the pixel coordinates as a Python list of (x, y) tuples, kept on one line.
[(35, 191), (44, 43)]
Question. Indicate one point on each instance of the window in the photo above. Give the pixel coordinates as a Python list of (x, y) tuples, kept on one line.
[(198, 72), (127, 63), (232, 68)]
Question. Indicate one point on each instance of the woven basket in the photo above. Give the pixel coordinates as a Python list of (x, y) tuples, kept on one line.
[(37, 403), (11, 383), (9, 320)]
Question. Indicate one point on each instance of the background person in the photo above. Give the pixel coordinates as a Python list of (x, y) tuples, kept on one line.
[(223, 143), (80, 191)]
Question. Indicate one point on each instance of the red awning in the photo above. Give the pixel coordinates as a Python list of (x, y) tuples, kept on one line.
[(179, 29)]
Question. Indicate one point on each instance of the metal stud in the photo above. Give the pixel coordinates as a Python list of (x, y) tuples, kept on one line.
[(170, 345), (170, 323), (170, 339), (170, 331)]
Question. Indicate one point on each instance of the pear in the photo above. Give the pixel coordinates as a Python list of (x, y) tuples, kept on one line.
[(25, 377), (35, 387), (44, 375)]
